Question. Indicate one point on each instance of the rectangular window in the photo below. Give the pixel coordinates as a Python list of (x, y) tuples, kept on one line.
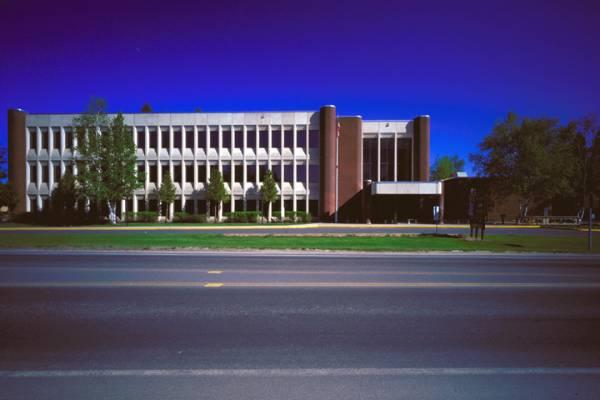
[(301, 173), (239, 173), (313, 139), (56, 172), (189, 206), (370, 159), (251, 173), (68, 138), (226, 173), (288, 137), (189, 137), (56, 138), (404, 160), (153, 136), (276, 170), (44, 132), (153, 173), (251, 205), (214, 137), (251, 137), (33, 173), (32, 138), (177, 140), (262, 171), (288, 205), (164, 137), (387, 159), (239, 205), (177, 170), (263, 137), (189, 173), (45, 173), (288, 173), (164, 169), (201, 173), (301, 137), (226, 137), (276, 137), (238, 137), (141, 205), (141, 137), (202, 137)]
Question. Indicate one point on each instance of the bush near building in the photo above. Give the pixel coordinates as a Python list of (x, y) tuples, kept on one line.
[(243, 216), (190, 218), (297, 216), (143, 216)]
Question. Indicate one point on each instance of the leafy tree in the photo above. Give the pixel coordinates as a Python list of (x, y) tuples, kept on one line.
[(119, 165), (65, 197), (146, 108), (216, 191), (527, 157), (106, 158), (88, 152), (584, 136), (8, 196), (446, 167), (268, 192), (166, 194)]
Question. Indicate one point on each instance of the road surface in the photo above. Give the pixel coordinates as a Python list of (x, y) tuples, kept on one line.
[(186, 325)]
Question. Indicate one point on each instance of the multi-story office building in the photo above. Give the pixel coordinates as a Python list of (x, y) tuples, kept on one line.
[(321, 161)]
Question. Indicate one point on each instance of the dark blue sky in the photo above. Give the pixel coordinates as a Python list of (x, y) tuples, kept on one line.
[(465, 64)]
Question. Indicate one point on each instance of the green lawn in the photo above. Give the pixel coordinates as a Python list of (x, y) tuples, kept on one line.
[(161, 240)]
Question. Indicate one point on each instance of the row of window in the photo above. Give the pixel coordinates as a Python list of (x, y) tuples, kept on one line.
[(210, 138), (205, 138), (45, 137), (201, 206), (229, 172), (385, 159)]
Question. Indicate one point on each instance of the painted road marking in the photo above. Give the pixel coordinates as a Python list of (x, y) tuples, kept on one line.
[(216, 272), (399, 285), (302, 372)]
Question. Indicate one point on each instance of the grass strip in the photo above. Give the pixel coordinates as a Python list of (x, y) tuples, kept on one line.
[(162, 240)]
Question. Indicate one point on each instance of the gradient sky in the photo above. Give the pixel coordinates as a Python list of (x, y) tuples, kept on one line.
[(466, 64)]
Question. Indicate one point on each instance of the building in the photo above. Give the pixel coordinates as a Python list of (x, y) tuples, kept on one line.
[(332, 166)]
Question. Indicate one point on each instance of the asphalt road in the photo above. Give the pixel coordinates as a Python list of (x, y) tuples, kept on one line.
[(274, 326)]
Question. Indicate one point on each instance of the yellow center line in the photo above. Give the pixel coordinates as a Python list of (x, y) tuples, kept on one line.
[(213, 284), (215, 272)]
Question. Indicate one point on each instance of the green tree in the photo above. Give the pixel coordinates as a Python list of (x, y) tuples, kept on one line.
[(268, 192), (64, 198), (166, 194), (146, 108), (527, 157), (216, 192), (8, 196), (106, 158), (584, 136), (446, 166), (88, 152)]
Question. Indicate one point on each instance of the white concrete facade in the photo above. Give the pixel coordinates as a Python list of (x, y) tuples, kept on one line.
[(240, 145)]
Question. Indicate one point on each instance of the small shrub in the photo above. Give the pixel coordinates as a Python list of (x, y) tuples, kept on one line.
[(143, 216), (190, 218), (243, 216), (297, 216)]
